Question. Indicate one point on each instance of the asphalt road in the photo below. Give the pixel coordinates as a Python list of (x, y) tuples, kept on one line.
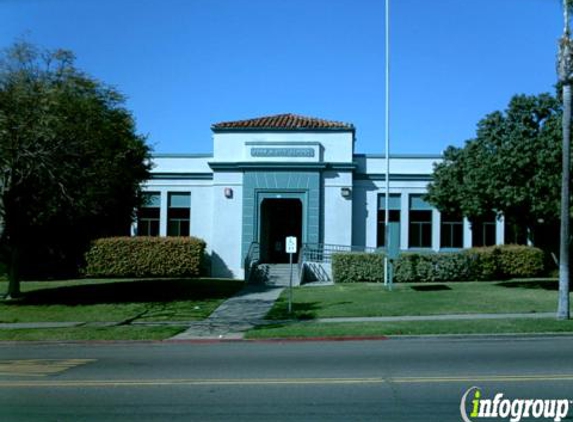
[(390, 380)]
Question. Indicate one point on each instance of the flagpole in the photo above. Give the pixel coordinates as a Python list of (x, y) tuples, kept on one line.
[(387, 141)]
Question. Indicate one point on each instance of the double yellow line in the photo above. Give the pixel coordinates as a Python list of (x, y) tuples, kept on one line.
[(283, 381)]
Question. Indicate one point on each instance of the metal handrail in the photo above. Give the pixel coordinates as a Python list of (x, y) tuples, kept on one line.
[(322, 252), (252, 259)]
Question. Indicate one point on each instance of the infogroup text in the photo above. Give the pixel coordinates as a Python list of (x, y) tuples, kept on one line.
[(475, 407)]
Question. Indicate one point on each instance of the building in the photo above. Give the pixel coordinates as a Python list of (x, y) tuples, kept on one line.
[(289, 175)]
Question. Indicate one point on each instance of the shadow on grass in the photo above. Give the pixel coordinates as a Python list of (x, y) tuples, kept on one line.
[(130, 291), (431, 288), (301, 311), (551, 285)]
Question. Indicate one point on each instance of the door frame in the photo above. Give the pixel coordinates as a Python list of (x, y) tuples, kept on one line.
[(261, 195)]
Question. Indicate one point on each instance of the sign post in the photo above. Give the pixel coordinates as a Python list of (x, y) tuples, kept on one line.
[(290, 249)]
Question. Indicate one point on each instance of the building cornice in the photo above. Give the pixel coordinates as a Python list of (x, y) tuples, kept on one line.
[(252, 165)]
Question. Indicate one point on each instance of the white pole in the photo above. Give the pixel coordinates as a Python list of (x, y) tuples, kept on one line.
[(387, 136)]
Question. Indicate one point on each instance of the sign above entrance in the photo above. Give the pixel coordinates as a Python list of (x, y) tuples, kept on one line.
[(290, 244), (282, 152)]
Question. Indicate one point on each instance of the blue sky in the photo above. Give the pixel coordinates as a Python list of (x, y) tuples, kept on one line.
[(186, 64)]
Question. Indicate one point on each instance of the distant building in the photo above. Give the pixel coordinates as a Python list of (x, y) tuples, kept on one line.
[(289, 175)]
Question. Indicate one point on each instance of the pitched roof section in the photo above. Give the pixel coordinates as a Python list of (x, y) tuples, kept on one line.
[(283, 122)]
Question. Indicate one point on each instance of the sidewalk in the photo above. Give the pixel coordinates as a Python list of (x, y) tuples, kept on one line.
[(235, 316), (248, 309)]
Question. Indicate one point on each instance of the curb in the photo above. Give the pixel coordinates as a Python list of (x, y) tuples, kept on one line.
[(435, 337)]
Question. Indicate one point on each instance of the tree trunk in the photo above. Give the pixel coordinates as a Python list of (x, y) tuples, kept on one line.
[(563, 308), (13, 274)]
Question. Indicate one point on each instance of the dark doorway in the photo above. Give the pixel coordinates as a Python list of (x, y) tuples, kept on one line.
[(279, 218)]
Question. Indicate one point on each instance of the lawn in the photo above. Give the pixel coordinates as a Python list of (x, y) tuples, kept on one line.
[(367, 299), (377, 329), (122, 300), (90, 334)]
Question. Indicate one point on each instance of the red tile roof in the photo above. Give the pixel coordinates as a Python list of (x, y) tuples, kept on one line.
[(284, 121)]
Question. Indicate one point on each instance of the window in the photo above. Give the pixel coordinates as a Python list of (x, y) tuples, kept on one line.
[(148, 215), (393, 216), (420, 234), (179, 214), (452, 231), (483, 231), (420, 229)]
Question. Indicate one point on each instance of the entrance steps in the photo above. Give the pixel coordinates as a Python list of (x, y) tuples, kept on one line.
[(277, 274)]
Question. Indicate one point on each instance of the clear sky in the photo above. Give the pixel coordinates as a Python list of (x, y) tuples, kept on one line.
[(186, 64)]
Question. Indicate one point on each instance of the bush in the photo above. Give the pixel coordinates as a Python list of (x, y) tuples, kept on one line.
[(351, 267), (405, 267), (145, 257), (484, 263), (427, 267), (520, 261)]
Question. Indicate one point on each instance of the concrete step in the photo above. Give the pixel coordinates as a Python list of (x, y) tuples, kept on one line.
[(277, 274)]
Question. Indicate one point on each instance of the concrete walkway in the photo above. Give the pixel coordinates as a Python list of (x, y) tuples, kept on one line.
[(235, 316)]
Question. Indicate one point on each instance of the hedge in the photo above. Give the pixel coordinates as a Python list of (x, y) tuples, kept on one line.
[(351, 267), (485, 263), (145, 257), (521, 261), (424, 267)]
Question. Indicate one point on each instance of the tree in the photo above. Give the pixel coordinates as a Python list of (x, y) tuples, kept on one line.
[(565, 73), (508, 168), (71, 163)]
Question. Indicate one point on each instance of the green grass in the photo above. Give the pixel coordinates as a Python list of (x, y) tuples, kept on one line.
[(117, 300), (366, 299), (81, 334), (373, 329)]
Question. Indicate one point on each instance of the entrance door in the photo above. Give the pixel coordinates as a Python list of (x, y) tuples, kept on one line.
[(279, 218)]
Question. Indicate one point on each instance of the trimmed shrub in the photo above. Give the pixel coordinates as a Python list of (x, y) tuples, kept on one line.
[(479, 264), (520, 261), (427, 267), (145, 257), (484, 263), (450, 266), (352, 267), (405, 267)]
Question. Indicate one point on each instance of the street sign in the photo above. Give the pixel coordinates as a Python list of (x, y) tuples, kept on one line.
[(291, 244)]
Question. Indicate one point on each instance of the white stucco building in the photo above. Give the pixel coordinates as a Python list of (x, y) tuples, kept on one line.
[(288, 175)]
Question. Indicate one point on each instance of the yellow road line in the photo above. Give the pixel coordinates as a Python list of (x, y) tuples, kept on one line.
[(281, 381)]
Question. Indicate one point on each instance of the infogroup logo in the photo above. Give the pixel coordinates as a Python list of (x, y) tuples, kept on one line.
[(514, 409)]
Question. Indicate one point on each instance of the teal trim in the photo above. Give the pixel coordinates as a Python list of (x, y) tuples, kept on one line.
[(418, 204), (280, 194), (394, 201), (342, 166), (179, 200), (256, 165), (394, 177), (181, 176), (293, 143), (258, 185)]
